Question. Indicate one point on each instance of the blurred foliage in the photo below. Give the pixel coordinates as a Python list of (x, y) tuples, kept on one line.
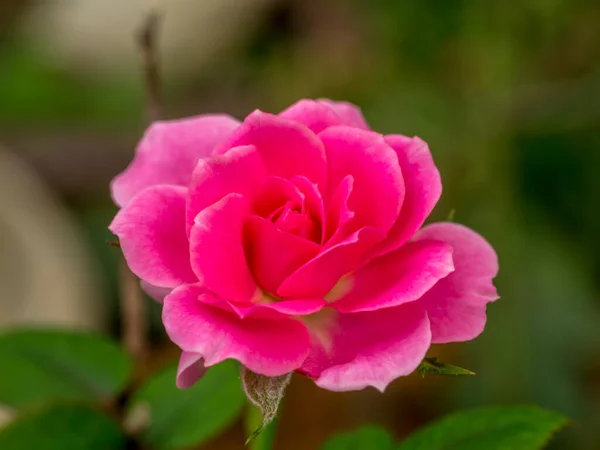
[(492, 428), (63, 427), (64, 386), (34, 93), (366, 438), (178, 418), (49, 366)]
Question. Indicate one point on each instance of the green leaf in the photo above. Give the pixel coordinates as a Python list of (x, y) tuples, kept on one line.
[(492, 428), (177, 418), (47, 366), (432, 365), (266, 393), (366, 438), (63, 427)]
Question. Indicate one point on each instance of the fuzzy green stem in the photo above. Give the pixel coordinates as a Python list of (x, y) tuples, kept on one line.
[(252, 423)]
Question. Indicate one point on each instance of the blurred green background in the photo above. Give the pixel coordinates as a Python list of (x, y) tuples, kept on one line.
[(507, 94)]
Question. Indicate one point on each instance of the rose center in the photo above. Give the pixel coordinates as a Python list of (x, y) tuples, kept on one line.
[(285, 205)]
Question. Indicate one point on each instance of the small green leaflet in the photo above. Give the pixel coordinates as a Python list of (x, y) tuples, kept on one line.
[(432, 365)]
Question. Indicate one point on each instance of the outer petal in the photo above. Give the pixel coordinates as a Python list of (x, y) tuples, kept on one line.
[(155, 292), (240, 170), (378, 188), (265, 346), (398, 277), (169, 151), (217, 252), (423, 190), (353, 351), (319, 275), (287, 147), (151, 231), (320, 114), (456, 304), (349, 113), (274, 254), (191, 368)]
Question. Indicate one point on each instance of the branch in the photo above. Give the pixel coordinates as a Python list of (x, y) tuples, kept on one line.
[(147, 43), (133, 314)]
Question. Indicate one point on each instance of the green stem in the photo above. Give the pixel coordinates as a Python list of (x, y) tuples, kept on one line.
[(252, 422)]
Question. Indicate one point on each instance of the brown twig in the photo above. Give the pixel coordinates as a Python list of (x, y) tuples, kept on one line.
[(147, 43), (133, 314)]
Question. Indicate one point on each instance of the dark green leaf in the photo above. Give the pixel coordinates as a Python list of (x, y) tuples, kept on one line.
[(63, 427), (432, 365), (492, 428), (366, 438), (47, 366), (177, 418)]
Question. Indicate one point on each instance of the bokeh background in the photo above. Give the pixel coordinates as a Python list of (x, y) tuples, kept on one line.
[(506, 92)]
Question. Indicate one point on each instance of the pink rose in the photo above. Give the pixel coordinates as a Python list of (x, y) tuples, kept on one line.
[(293, 242)]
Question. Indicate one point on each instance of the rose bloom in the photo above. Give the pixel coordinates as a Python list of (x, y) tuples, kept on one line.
[(294, 242)]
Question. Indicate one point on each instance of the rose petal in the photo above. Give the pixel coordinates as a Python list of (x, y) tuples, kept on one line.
[(268, 347), (339, 214), (313, 201), (299, 307), (353, 351), (275, 309), (378, 188), (349, 113), (398, 277), (273, 194), (456, 304), (169, 151), (298, 224), (191, 368), (319, 275), (423, 190), (240, 170), (217, 253), (151, 231), (316, 115), (287, 147), (274, 254), (155, 292)]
